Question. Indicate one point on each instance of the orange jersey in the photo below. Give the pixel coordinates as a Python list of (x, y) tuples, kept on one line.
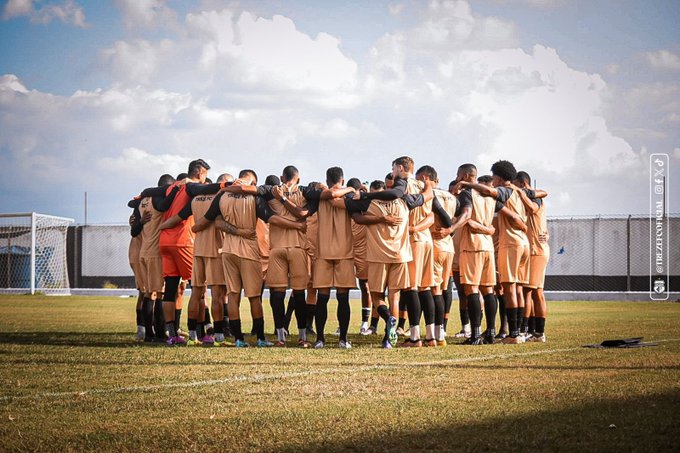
[(483, 209), (507, 235), (537, 224), (334, 232), (287, 237), (181, 234), (208, 242), (417, 215)]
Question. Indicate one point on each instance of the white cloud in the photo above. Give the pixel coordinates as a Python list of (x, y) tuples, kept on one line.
[(147, 14), (67, 11), (395, 8), (663, 59)]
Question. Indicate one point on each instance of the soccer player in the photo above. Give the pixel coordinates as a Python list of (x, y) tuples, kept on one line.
[(442, 243), (513, 251), (134, 248), (151, 209), (389, 249), (334, 263), (537, 224), (240, 208), (361, 266)]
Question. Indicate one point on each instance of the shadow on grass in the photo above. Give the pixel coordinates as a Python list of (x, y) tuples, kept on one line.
[(649, 423)]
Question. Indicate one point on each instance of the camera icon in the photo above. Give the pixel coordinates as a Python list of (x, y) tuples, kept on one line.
[(658, 189)]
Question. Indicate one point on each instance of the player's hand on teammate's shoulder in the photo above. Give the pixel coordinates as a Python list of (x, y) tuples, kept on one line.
[(277, 192), (301, 226), (146, 218), (392, 220)]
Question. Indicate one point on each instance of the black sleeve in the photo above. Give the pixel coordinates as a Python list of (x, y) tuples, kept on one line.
[(397, 191), (311, 194), (186, 211), (499, 206), (413, 201), (137, 226), (214, 209), (504, 193), (265, 192), (154, 191), (312, 207), (134, 203), (163, 203), (355, 206), (194, 189), (531, 193), (440, 212), (464, 201), (262, 209)]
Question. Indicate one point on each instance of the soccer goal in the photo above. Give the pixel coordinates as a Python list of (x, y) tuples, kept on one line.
[(33, 253)]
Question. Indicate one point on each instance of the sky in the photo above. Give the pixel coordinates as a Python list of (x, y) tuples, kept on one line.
[(102, 97)]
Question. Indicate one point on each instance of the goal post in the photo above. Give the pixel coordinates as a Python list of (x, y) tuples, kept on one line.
[(33, 253)]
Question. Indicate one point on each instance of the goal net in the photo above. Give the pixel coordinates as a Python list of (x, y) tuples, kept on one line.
[(33, 253)]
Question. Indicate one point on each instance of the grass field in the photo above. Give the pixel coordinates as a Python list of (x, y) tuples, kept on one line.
[(74, 378)]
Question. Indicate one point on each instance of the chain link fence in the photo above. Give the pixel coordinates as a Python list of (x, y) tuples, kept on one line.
[(595, 254)]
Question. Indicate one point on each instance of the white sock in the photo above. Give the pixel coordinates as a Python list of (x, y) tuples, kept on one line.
[(219, 337), (364, 325), (467, 328), (415, 333), (429, 332), (192, 334), (441, 334), (281, 334)]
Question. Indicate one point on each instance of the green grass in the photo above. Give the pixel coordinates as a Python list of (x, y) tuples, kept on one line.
[(74, 378)]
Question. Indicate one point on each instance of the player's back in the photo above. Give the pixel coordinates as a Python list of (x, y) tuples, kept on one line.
[(240, 210), (208, 242), (388, 243), (180, 235), (482, 212), (150, 232), (287, 237), (508, 236), (334, 232)]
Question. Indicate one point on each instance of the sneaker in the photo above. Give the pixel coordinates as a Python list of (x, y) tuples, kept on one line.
[(241, 344), (222, 344), (141, 333), (280, 344), (386, 344), (208, 341), (473, 341), (193, 342), (430, 343), (372, 330), (344, 345), (365, 331), (501, 335), (411, 344), (264, 344), (488, 339), (304, 344), (319, 344), (310, 331), (390, 330), (176, 341), (400, 331), (441, 342), (463, 334), (512, 340), (537, 338)]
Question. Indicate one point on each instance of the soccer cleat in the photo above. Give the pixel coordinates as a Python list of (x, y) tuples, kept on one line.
[(304, 344), (372, 330), (489, 339), (501, 335), (344, 345), (241, 344), (264, 344), (473, 341), (430, 343), (390, 330), (176, 341), (463, 334), (411, 344), (193, 342), (141, 333), (441, 342), (365, 331), (280, 344), (207, 340), (386, 344), (537, 338), (400, 331), (512, 340), (319, 344)]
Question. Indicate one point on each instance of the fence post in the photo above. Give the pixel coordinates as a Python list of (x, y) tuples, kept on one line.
[(628, 284)]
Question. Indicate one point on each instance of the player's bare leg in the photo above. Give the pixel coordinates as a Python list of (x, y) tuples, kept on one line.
[(366, 307), (139, 312)]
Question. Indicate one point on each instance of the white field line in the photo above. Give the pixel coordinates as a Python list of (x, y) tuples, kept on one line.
[(269, 377)]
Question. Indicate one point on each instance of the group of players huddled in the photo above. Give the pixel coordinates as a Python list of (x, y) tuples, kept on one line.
[(403, 241)]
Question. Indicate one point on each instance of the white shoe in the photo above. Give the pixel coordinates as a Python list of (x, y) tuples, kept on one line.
[(318, 345), (344, 345), (141, 332), (463, 334), (537, 339)]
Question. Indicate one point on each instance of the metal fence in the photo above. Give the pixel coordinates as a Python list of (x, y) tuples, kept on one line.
[(609, 254)]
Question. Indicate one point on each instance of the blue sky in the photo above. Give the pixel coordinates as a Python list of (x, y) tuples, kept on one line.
[(103, 96)]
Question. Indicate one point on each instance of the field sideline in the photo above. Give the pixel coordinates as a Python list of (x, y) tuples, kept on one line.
[(74, 378)]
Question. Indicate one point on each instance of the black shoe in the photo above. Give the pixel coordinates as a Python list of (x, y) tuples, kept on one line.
[(148, 339), (473, 341), (159, 340), (252, 332), (501, 335), (489, 339)]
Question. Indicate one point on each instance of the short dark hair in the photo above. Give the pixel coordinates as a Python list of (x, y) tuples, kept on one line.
[(245, 172), (289, 173), (182, 176), (389, 176), (467, 168), (524, 177), (334, 175), (377, 184), (208, 181), (504, 170), (405, 162), (165, 180), (272, 180), (485, 179), (225, 177), (453, 183), (354, 183), (196, 165), (428, 171)]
